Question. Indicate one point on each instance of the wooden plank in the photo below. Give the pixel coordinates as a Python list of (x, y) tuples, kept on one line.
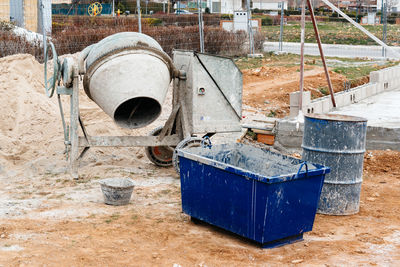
[(259, 126), (257, 131)]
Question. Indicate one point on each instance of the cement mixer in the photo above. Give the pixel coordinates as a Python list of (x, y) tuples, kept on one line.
[(128, 75)]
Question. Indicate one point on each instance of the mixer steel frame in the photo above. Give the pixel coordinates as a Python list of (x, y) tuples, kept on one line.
[(194, 112), (175, 129)]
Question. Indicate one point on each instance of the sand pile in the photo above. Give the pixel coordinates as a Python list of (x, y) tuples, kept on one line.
[(28, 118), (31, 135)]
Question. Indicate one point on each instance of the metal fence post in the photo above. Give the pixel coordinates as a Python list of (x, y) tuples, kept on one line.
[(139, 16), (250, 28), (281, 29), (201, 30), (113, 8), (384, 30), (43, 28)]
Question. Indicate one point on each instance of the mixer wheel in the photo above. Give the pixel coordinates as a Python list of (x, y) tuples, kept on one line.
[(187, 142), (159, 155)]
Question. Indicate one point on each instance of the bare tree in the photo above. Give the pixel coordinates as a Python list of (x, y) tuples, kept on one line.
[(390, 5)]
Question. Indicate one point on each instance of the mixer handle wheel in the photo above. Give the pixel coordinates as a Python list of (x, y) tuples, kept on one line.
[(50, 84), (187, 142)]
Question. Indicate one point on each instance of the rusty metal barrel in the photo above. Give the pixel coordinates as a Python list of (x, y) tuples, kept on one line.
[(337, 141)]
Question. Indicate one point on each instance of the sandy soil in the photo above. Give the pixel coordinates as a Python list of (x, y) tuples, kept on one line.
[(268, 88), (49, 219)]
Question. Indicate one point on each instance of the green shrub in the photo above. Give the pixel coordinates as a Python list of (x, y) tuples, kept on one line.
[(6, 26), (153, 21), (267, 21), (226, 16)]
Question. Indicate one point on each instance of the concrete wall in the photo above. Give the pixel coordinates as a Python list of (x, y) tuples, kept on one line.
[(4, 10), (31, 15)]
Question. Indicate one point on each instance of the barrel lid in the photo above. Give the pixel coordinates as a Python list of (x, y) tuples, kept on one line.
[(336, 117)]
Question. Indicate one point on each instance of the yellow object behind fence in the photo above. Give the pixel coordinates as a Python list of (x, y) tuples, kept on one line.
[(95, 9)]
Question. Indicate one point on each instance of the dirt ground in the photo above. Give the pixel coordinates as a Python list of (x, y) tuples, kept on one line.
[(48, 219), (268, 88)]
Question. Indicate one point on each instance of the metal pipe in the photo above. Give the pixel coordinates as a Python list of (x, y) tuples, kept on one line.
[(321, 52), (303, 19), (281, 28)]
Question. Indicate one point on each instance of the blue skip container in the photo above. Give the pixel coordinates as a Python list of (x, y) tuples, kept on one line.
[(260, 195)]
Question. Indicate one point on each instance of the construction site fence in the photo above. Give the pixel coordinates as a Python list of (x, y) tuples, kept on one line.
[(72, 28)]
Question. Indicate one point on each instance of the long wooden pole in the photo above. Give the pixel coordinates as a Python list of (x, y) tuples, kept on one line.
[(303, 22), (321, 52)]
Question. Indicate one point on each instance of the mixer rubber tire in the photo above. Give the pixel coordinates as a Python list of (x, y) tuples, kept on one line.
[(185, 143), (159, 155)]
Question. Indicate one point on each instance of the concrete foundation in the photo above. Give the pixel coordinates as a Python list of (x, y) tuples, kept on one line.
[(377, 101)]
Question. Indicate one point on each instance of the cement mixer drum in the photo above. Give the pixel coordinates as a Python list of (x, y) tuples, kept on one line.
[(128, 75)]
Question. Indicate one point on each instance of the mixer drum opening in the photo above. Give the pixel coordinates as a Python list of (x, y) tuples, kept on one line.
[(137, 112), (128, 76)]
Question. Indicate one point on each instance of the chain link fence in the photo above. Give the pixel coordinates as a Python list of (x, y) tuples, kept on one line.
[(338, 36), (74, 25)]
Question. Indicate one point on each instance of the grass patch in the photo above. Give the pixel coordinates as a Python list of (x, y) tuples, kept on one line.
[(323, 90), (333, 33), (252, 135), (354, 73), (249, 63), (272, 114)]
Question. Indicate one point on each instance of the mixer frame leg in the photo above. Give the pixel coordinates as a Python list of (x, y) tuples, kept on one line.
[(74, 157)]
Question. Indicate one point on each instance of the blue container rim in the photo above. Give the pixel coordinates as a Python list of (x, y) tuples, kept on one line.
[(320, 169)]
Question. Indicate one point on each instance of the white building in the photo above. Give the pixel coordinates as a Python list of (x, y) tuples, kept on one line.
[(269, 4)]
